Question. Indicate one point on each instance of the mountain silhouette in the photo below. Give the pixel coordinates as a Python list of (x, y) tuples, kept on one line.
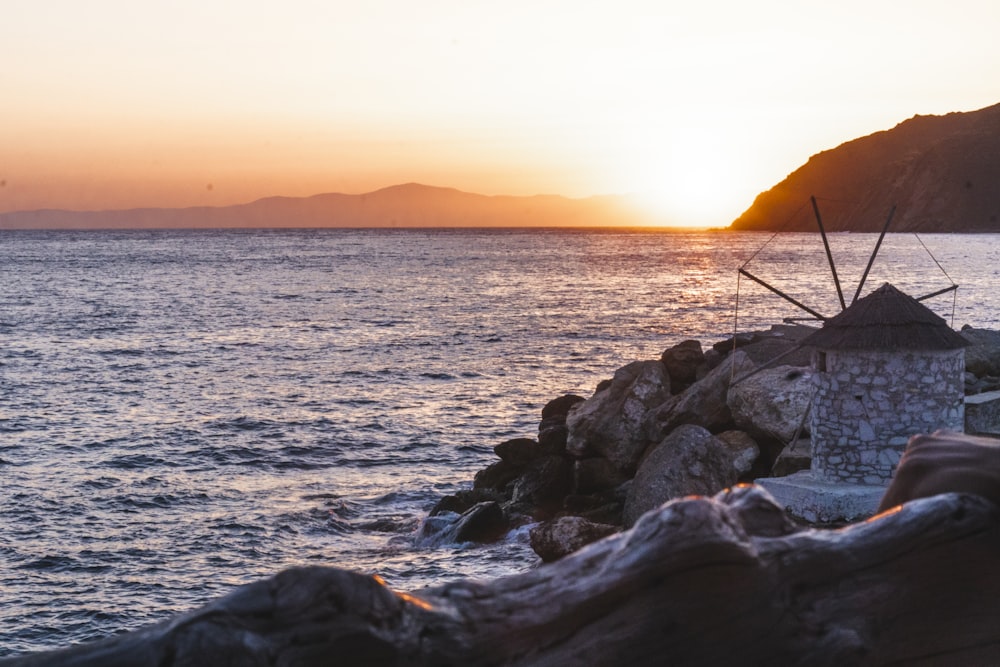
[(409, 205), (942, 173)]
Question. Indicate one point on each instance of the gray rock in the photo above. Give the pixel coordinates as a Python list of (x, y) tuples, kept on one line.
[(554, 539), (703, 403), (773, 402), (689, 461), (982, 357), (742, 448), (610, 423)]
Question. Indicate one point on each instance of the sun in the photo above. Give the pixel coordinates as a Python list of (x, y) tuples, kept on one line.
[(692, 178)]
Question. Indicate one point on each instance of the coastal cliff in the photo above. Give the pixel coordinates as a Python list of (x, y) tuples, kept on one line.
[(941, 172)]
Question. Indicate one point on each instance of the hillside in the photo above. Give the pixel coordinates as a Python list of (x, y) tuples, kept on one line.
[(941, 172), (409, 205)]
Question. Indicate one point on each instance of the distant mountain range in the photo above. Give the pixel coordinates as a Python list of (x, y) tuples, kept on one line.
[(941, 172), (410, 205)]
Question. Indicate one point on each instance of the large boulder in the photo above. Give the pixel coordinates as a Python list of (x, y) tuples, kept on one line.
[(945, 462), (982, 357), (703, 403), (773, 402), (552, 540), (689, 461), (610, 423)]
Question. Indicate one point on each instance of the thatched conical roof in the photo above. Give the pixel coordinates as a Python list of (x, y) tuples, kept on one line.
[(887, 320)]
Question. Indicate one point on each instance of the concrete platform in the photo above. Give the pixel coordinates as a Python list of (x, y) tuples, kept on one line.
[(817, 501)]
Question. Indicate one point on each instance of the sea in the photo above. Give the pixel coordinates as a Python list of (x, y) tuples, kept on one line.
[(183, 412)]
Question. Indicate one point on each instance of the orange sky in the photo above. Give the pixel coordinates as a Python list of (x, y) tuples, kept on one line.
[(700, 106)]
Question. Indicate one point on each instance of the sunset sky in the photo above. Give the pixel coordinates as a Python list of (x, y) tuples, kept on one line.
[(699, 105)]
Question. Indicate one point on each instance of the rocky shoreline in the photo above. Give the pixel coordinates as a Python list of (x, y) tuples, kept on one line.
[(694, 422), (696, 567)]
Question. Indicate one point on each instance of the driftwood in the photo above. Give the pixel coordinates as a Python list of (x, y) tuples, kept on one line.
[(700, 581)]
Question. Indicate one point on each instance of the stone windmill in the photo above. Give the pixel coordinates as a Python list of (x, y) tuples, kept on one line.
[(885, 368)]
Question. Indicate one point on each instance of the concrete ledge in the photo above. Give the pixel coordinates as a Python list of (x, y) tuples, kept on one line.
[(982, 413), (806, 497)]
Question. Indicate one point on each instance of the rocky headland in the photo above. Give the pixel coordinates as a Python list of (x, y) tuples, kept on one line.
[(693, 422), (939, 171)]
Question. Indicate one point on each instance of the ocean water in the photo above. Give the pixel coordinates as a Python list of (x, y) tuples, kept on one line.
[(182, 412)]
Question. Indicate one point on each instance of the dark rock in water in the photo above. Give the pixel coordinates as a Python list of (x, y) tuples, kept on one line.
[(484, 522), (496, 476), (610, 423), (544, 484), (682, 362), (463, 500), (595, 474), (554, 539), (688, 461), (518, 452), (699, 581), (560, 407)]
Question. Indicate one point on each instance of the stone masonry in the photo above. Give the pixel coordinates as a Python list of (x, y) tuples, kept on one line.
[(869, 403)]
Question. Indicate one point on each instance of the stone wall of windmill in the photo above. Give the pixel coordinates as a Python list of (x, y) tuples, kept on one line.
[(887, 368), (869, 403)]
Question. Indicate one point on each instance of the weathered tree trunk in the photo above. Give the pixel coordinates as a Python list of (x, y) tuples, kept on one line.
[(701, 581)]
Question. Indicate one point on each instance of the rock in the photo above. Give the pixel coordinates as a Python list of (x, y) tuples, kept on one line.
[(982, 357), (682, 362), (773, 402), (595, 474), (760, 514), (544, 484), (742, 448), (610, 423), (703, 403), (700, 581), (463, 500), (552, 435), (518, 452), (945, 462), (496, 476), (552, 540), (689, 461), (483, 522), (794, 457), (560, 407)]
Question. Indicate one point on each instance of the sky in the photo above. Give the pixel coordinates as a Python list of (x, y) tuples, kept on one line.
[(697, 106)]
